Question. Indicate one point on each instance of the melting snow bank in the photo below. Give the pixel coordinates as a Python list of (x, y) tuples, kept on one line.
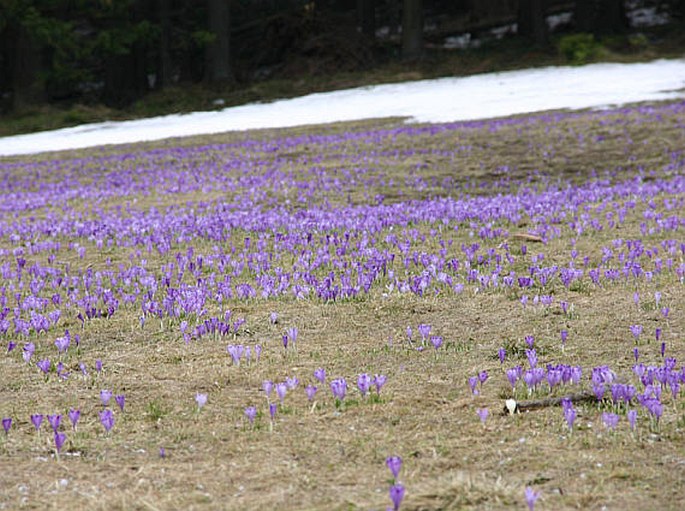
[(442, 100)]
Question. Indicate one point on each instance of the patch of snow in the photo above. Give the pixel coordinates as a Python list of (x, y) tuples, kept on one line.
[(442, 100), (556, 20), (647, 17)]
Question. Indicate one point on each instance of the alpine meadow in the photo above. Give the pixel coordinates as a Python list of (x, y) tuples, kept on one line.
[(365, 315)]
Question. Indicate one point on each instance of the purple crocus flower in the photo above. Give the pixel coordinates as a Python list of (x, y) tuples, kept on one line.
[(436, 341), (44, 365), (281, 391), (378, 381), (10, 346), (569, 412), (394, 463), (61, 372), (82, 367), (396, 495), (292, 383), (37, 420), (363, 383), (273, 318), (610, 420), (105, 396), (598, 389), (107, 419), (60, 438), (339, 388), (564, 336), (62, 344), (27, 351), (654, 407), (663, 348), (576, 374), (532, 358), (251, 414), (272, 410), (98, 365), (636, 331), (292, 334), (502, 354), (120, 400), (54, 421), (473, 383), (7, 424), (425, 331), (268, 386), (554, 377), (201, 400), (665, 311), (162, 452), (482, 377), (482, 414), (531, 497), (311, 392), (636, 354), (530, 341), (74, 416), (235, 352), (513, 377), (632, 417), (320, 374), (257, 352)]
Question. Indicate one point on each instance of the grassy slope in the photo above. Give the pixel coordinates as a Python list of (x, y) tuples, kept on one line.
[(319, 457)]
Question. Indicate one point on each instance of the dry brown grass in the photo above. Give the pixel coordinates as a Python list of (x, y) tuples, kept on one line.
[(322, 457)]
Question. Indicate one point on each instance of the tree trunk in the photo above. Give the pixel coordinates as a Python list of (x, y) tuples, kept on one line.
[(612, 17), (585, 15), (412, 29), (164, 64), (25, 67), (532, 23), (125, 77), (366, 13), (219, 51)]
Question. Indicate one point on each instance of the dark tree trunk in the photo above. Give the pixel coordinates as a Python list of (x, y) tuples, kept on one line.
[(584, 15), (366, 13), (532, 23), (678, 10), (164, 65), (612, 17), (392, 11), (25, 66), (125, 77), (219, 51), (412, 29)]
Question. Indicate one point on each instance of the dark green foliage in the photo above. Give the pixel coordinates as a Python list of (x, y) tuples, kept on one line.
[(114, 52), (578, 48)]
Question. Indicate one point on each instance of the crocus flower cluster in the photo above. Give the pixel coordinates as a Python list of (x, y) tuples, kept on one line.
[(239, 352)]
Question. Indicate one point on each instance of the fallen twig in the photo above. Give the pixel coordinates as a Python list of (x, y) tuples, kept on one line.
[(527, 237), (512, 406)]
